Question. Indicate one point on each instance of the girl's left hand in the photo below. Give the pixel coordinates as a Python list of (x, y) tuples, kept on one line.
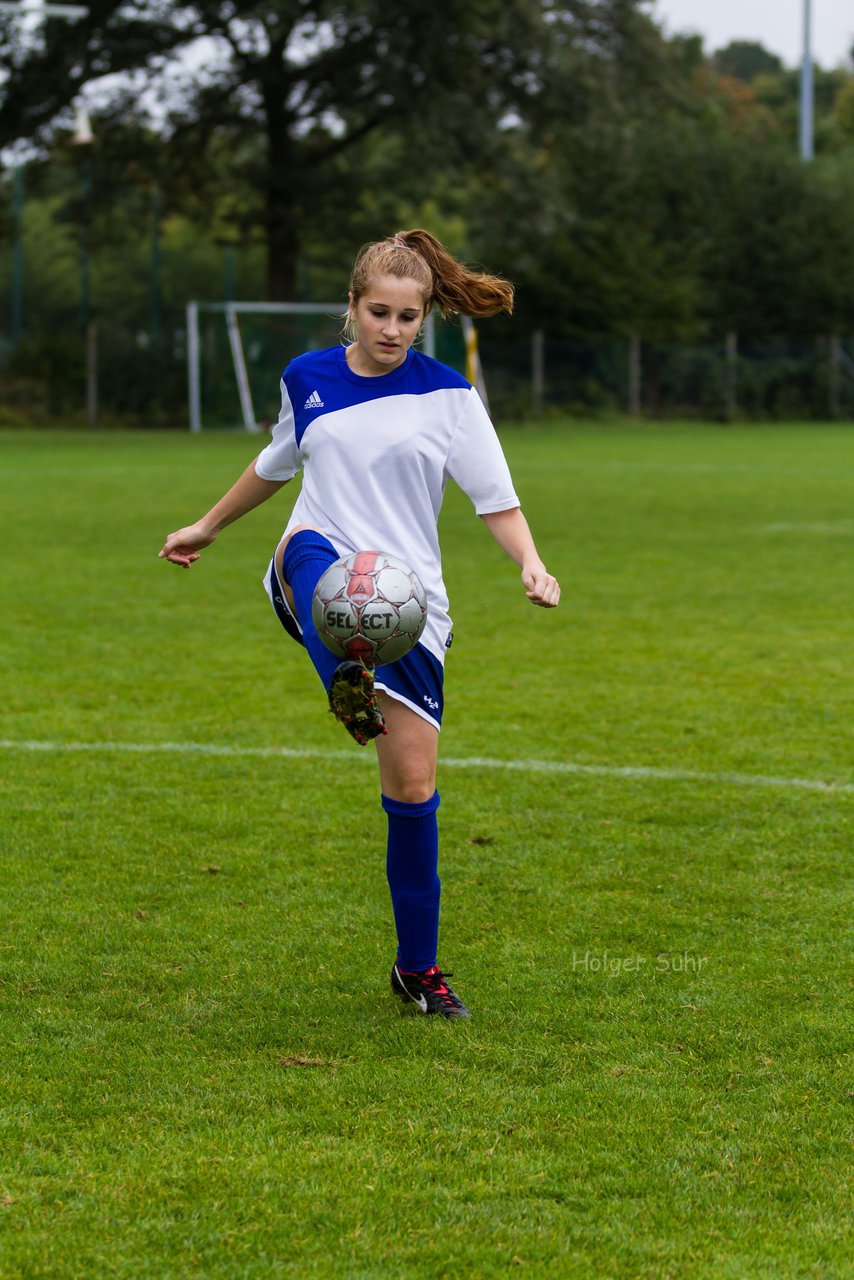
[(540, 587)]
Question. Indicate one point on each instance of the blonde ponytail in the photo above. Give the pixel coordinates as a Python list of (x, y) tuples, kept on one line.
[(457, 289), (445, 282)]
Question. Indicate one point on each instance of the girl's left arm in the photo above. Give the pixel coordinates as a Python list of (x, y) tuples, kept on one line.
[(510, 530)]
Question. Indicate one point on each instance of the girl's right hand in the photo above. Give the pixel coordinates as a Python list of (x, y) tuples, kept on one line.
[(183, 547)]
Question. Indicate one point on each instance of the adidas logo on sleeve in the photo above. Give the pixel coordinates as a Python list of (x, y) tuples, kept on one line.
[(313, 402)]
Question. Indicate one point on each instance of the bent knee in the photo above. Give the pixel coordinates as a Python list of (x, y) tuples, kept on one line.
[(410, 788), (282, 547), (298, 528)]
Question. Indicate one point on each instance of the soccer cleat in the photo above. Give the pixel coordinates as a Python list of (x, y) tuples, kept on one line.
[(429, 990), (353, 701)]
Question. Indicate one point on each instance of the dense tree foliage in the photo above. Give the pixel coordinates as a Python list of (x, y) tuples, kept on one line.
[(629, 183), (289, 87)]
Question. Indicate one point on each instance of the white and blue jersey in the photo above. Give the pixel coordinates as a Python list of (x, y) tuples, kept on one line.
[(376, 454)]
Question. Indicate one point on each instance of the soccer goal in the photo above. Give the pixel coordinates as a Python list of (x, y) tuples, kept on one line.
[(236, 352)]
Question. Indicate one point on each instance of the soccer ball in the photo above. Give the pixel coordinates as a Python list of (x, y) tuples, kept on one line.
[(370, 607)]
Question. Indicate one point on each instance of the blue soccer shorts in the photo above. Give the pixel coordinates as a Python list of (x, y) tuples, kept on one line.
[(416, 679)]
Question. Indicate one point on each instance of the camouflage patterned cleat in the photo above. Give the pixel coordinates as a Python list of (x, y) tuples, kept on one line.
[(353, 701)]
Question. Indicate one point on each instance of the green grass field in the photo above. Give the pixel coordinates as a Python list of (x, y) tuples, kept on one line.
[(203, 1073)]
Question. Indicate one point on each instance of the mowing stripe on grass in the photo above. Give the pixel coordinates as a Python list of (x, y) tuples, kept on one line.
[(467, 762)]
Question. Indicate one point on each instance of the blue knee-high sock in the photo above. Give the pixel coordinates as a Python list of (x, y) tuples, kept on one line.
[(307, 555), (411, 865)]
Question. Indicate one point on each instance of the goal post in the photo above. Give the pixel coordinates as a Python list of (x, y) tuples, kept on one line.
[(237, 350), (474, 369), (208, 362)]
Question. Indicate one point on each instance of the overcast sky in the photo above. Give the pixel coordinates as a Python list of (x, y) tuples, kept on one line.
[(778, 24)]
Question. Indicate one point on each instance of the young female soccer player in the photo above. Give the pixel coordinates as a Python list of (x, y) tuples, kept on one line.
[(377, 428)]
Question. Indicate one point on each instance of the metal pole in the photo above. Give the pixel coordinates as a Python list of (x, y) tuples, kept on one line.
[(474, 369), (731, 376), (429, 335), (92, 374), (634, 375), (193, 370), (243, 388), (538, 370), (84, 137), (86, 242), (154, 294), (18, 255), (807, 87), (89, 326), (834, 361)]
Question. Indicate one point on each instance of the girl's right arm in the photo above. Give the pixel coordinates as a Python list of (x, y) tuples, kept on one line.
[(183, 546)]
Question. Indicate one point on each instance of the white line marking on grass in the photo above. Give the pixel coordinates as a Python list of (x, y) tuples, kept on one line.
[(449, 762), (833, 529)]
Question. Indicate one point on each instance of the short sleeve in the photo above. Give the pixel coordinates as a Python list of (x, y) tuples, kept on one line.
[(281, 460), (476, 460)]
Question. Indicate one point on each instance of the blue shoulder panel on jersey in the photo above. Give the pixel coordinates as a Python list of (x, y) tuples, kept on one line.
[(322, 382)]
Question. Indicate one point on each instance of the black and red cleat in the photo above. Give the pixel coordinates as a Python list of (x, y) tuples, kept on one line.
[(428, 990), (353, 701)]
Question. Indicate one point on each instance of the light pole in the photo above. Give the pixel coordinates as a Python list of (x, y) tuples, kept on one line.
[(32, 13), (154, 286), (807, 86), (84, 137), (17, 317)]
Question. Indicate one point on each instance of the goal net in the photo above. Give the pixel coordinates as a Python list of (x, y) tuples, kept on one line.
[(237, 351)]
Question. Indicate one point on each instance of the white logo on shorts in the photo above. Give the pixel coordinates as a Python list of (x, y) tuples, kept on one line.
[(431, 702)]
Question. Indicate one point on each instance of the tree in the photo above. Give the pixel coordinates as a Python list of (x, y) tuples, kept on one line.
[(575, 197), (745, 60), (292, 87)]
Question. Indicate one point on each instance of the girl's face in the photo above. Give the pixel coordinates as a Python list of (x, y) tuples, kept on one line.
[(387, 318)]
